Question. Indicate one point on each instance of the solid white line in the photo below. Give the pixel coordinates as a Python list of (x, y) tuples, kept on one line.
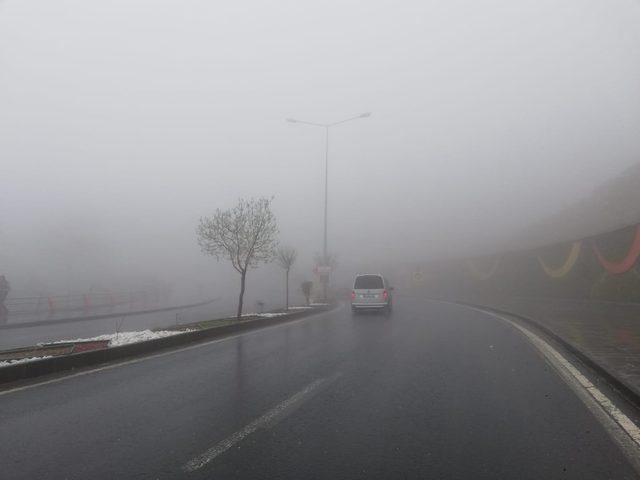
[(270, 418), (620, 418), (151, 357), (622, 429)]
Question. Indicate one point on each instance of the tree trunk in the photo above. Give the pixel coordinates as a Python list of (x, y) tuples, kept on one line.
[(241, 298), (287, 289)]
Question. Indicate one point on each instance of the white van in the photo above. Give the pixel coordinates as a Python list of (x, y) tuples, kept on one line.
[(371, 292)]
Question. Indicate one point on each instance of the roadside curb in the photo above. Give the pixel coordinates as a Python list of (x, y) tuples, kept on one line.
[(627, 391), (48, 366)]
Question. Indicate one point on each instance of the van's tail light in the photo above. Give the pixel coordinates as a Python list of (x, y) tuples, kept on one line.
[(353, 295), (385, 295)]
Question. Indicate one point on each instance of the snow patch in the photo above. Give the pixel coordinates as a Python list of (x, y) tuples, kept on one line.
[(264, 315), (7, 363), (125, 338), (115, 340)]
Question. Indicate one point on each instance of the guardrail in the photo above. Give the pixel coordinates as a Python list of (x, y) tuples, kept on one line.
[(41, 305), (99, 316)]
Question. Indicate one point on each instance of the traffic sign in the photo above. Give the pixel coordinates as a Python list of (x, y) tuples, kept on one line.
[(323, 270)]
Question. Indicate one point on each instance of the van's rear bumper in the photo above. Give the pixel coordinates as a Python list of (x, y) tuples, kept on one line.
[(369, 305)]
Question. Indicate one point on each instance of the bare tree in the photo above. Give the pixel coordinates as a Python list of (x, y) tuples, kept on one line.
[(245, 235), (286, 257)]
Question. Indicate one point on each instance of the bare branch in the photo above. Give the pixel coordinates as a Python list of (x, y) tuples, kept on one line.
[(286, 257), (245, 235)]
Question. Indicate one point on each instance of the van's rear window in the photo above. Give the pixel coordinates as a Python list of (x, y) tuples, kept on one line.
[(368, 282)]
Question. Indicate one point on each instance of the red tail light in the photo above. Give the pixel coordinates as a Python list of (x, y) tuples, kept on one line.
[(353, 295), (385, 295)]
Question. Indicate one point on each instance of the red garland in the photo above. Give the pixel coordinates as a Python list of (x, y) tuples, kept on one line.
[(627, 262)]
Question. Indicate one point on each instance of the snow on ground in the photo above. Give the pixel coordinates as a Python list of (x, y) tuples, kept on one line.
[(6, 363), (264, 315), (115, 340), (125, 338)]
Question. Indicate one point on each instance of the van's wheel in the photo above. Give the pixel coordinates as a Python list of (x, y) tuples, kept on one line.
[(354, 311), (387, 311)]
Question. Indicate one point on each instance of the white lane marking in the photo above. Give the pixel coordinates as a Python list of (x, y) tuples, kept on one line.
[(614, 412), (151, 357), (622, 429), (270, 418)]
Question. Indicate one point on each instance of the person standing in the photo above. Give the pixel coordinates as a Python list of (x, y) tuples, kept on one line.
[(4, 292)]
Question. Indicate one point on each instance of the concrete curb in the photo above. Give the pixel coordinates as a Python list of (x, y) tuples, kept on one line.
[(48, 366), (40, 323), (627, 391)]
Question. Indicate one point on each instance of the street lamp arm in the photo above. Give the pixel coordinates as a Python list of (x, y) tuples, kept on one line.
[(363, 115), (327, 125), (293, 120)]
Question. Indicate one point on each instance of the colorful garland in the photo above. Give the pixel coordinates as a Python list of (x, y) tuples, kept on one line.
[(614, 267), (483, 275), (627, 262), (567, 266)]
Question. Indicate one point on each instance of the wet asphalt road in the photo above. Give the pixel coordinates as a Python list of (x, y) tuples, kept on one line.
[(436, 391)]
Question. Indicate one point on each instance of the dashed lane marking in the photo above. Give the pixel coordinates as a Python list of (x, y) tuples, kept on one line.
[(270, 418)]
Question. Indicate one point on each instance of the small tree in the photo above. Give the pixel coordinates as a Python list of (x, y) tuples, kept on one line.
[(245, 235), (306, 290), (286, 257)]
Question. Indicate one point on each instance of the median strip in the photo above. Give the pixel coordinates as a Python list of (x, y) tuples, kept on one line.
[(66, 356)]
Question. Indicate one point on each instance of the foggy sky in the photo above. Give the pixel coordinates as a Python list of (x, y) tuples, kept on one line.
[(122, 122)]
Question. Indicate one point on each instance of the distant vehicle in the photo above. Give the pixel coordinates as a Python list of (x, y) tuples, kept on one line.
[(371, 292)]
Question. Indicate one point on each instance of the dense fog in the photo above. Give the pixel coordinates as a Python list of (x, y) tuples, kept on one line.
[(123, 122)]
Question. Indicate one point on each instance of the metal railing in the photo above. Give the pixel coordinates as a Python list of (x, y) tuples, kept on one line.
[(44, 305)]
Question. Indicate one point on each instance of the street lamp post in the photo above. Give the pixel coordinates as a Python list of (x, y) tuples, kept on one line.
[(326, 126)]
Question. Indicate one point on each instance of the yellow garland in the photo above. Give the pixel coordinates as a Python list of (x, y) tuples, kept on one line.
[(567, 266), (479, 273)]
